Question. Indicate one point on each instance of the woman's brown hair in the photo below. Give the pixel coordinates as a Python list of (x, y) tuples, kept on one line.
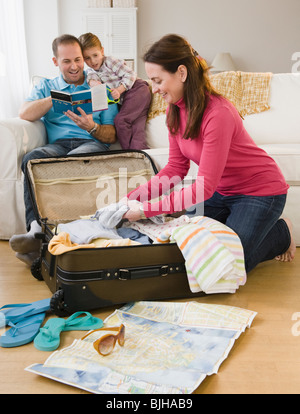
[(170, 52)]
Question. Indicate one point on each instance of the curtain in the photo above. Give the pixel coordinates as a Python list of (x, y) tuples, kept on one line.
[(14, 74)]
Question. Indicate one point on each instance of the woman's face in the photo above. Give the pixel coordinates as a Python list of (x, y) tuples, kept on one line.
[(168, 85)]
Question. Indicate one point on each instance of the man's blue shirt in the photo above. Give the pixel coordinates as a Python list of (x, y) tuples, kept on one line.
[(60, 126)]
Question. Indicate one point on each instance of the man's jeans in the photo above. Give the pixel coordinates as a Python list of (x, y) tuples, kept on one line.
[(255, 220), (60, 148)]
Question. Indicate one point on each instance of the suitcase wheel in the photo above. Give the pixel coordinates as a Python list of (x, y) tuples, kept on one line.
[(36, 270), (57, 304)]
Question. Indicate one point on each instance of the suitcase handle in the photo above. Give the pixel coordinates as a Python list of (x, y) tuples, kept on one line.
[(143, 272)]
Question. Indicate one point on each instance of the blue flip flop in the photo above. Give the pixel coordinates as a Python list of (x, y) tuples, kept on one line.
[(18, 311), (48, 339), (23, 332)]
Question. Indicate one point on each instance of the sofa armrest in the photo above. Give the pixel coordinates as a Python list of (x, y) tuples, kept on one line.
[(17, 137)]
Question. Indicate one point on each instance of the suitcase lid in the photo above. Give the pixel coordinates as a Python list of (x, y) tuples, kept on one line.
[(64, 189)]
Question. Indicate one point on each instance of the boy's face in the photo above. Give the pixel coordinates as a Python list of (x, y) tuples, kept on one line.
[(70, 62), (94, 57)]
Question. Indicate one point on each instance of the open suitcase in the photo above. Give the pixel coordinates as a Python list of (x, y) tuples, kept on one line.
[(64, 190)]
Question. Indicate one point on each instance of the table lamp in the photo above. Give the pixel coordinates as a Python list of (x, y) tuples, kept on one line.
[(223, 63)]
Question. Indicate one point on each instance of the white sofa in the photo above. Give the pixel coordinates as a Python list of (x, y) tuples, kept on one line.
[(276, 130)]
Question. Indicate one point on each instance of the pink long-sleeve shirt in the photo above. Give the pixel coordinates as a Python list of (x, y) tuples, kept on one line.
[(229, 162)]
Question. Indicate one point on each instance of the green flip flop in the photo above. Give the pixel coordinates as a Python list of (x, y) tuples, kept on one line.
[(23, 332), (84, 323), (48, 339)]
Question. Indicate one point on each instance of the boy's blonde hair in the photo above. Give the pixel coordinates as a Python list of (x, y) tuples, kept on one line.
[(89, 40)]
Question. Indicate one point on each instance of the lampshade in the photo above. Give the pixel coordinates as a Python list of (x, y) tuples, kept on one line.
[(222, 63), (2, 65)]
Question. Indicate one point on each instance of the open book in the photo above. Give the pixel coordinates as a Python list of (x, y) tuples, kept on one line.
[(91, 100)]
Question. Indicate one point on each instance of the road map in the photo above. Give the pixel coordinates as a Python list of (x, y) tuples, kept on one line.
[(169, 349)]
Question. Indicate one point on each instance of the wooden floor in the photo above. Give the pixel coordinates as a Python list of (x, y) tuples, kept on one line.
[(265, 359)]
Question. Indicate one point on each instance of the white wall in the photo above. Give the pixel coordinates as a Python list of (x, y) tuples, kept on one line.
[(261, 35), (71, 25), (41, 26)]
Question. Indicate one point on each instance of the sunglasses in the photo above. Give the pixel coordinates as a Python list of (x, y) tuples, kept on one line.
[(106, 343)]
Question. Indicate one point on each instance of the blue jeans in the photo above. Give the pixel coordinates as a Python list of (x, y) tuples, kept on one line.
[(255, 220), (62, 147)]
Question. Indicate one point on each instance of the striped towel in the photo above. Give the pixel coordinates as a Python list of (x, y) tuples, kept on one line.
[(213, 254)]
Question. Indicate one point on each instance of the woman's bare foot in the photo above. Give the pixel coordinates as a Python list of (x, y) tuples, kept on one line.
[(289, 255)]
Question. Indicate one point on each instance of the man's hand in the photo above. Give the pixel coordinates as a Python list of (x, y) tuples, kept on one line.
[(83, 121), (103, 133), (34, 110)]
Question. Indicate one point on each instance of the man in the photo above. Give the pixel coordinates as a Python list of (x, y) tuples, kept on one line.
[(68, 134)]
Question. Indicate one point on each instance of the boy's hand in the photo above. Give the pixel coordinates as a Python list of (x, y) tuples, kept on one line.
[(94, 82), (115, 93)]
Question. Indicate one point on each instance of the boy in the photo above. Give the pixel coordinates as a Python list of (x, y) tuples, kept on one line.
[(67, 135), (134, 94)]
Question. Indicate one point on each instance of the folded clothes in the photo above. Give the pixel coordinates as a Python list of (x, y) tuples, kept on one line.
[(98, 230), (115, 242), (61, 243), (83, 231), (135, 235), (213, 254), (153, 230), (112, 215)]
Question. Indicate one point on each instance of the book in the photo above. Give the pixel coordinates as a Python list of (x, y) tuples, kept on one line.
[(90, 100)]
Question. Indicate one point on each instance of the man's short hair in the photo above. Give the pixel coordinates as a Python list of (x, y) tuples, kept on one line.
[(63, 40)]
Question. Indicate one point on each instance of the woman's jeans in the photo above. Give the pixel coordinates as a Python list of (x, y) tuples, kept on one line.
[(62, 147), (255, 220)]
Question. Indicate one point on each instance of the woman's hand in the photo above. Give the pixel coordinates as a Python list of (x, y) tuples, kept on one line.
[(134, 212), (124, 200), (84, 121)]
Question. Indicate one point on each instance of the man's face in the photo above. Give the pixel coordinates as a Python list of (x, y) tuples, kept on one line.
[(70, 62)]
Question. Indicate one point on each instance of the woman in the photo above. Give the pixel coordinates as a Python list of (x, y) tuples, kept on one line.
[(239, 184)]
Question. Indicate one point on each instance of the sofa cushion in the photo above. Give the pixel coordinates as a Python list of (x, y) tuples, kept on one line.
[(157, 132), (281, 123), (287, 157)]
